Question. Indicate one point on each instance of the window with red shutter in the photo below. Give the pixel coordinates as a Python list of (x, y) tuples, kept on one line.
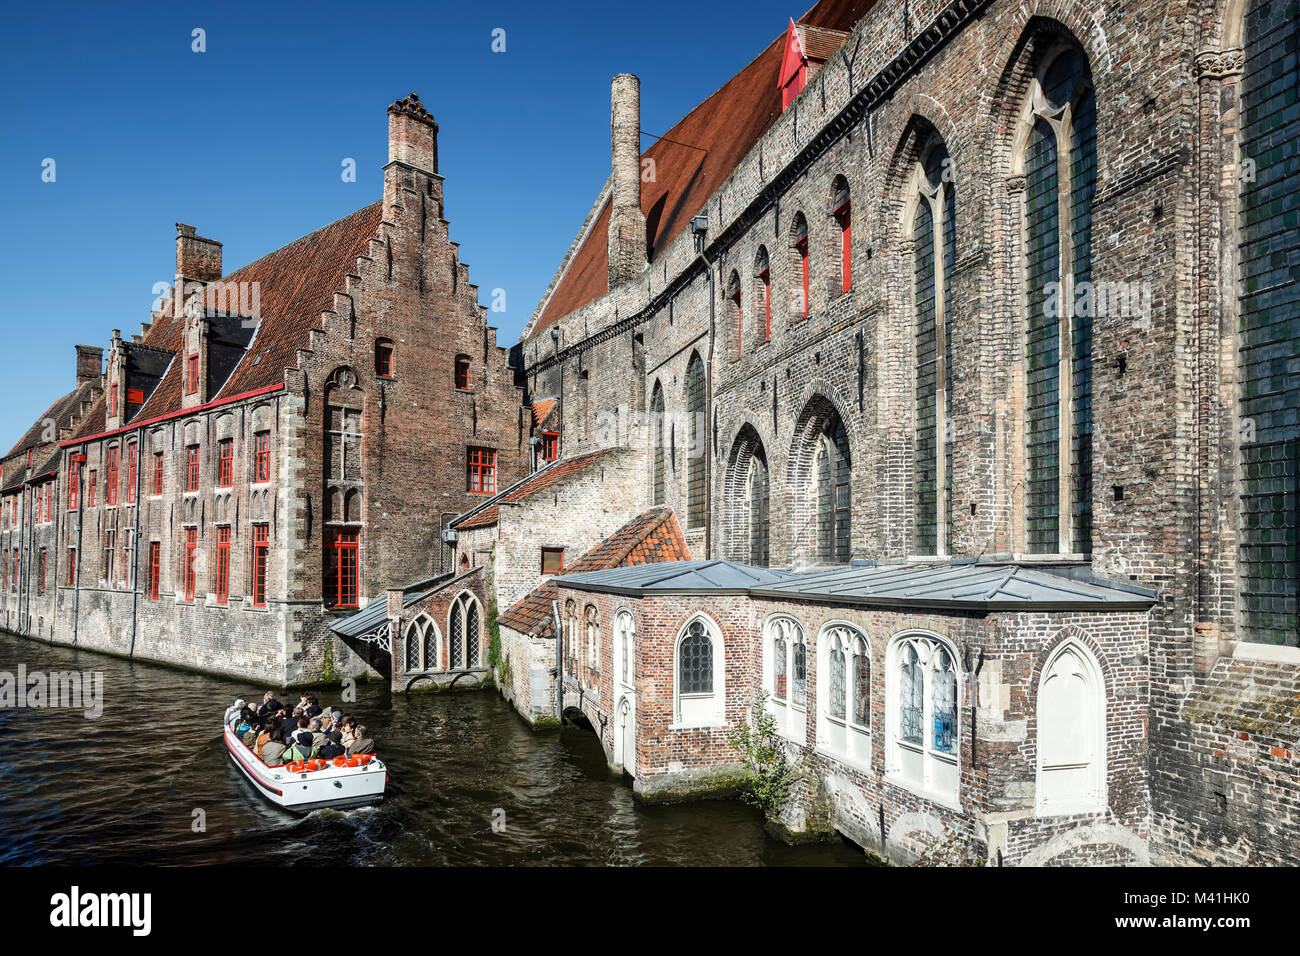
[(261, 548), (262, 464), (192, 375), (74, 484), (155, 568), (72, 567), (462, 372), (223, 565), (158, 473), (132, 471), (40, 589), (112, 476), (225, 463), (550, 446), (191, 545), (384, 359), (341, 583), (90, 489), (192, 472), (481, 471)]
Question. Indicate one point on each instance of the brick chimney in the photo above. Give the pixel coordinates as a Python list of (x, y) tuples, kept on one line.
[(197, 259), (412, 135), (626, 220), (90, 364)]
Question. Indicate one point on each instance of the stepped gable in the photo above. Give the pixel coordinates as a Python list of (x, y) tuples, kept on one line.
[(649, 538), (296, 283), (692, 159)]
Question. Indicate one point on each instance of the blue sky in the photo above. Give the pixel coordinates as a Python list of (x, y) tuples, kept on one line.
[(245, 141)]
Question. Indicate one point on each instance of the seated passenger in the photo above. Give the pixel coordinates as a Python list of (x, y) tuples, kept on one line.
[(232, 712), (333, 747), (349, 729), (299, 749), (272, 753), (249, 737), (293, 726), (361, 744), (269, 705), (317, 733), (244, 722), (265, 736)]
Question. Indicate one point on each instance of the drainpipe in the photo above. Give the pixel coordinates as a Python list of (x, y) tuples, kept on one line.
[(25, 539), (135, 537), (699, 228)]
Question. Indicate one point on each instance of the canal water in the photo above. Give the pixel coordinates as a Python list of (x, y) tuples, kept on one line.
[(126, 788)]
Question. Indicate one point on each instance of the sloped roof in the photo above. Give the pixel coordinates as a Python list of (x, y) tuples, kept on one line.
[(542, 408), (489, 512), (63, 411), (295, 283), (650, 538), (956, 584), (677, 577), (376, 611), (692, 159)]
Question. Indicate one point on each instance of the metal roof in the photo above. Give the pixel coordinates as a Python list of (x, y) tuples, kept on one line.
[(966, 585), (376, 612), (675, 577)]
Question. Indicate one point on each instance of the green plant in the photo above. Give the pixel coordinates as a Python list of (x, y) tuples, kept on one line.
[(769, 777)]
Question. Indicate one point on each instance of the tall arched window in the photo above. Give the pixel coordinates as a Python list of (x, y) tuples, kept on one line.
[(423, 645), (763, 293), (934, 246), (840, 215), (624, 651), (1269, 339), (799, 266), (697, 448), (1060, 169), (785, 676), (463, 626), (657, 429), (593, 643), (758, 511), (834, 497), (735, 314), (1071, 734), (844, 725), (571, 635), (700, 696), (922, 715)]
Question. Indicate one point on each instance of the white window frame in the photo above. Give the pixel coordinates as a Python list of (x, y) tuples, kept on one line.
[(1095, 798), (418, 627), (841, 737), (791, 718), (701, 710), (624, 651), (924, 770), (460, 607)]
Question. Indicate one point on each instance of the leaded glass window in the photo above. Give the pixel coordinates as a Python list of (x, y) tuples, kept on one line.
[(457, 630), (695, 452), (695, 661), (934, 238), (657, 424), (836, 701), (1058, 340), (945, 703), (799, 675), (832, 473), (758, 513), (861, 688), (431, 660), (779, 665), (911, 698), (1269, 330), (471, 633), (412, 647)]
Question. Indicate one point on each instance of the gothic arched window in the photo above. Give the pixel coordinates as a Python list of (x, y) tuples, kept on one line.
[(922, 715), (1071, 734), (463, 626), (700, 696), (696, 450), (657, 428), (1059, 160)]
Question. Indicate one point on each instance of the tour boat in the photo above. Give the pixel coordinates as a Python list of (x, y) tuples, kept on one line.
[(338, 783)]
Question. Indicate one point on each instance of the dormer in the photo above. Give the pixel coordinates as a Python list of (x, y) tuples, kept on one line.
[(807, 48)]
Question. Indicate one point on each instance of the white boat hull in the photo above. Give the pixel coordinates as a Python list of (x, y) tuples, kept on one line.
[(334, 787)]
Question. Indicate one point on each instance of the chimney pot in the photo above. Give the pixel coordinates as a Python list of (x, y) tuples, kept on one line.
[(412, 135)]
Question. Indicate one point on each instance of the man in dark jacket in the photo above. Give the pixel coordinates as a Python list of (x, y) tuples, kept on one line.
[(333, 746), (363, 744), (269, 705)]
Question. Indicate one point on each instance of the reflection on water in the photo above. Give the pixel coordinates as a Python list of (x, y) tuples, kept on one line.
[(125, 788)]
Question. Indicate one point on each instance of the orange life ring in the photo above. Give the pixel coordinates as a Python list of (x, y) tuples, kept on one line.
[(340, 761), (352, 761), (364, 758)]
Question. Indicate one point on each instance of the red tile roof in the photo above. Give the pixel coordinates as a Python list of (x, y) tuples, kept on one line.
[(541, 409), (537, 481), (647, 539), (296, 283), (722, 130)]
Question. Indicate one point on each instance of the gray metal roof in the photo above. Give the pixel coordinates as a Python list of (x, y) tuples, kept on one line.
[(376, 612), (958, 585), (675, 577)]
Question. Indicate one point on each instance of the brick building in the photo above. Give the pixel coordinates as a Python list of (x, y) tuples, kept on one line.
[(278, 444), (967, 281)]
